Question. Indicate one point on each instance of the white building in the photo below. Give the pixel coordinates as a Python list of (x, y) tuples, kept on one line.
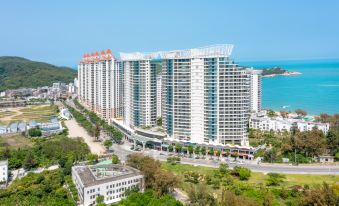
[(159, 96), (205, 96), (100, 78), (3, 171), (256, 91), (139, 89), (263, 122), (110, 181)]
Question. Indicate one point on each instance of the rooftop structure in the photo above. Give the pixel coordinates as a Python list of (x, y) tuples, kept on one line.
[(261, 121), (108, 180)]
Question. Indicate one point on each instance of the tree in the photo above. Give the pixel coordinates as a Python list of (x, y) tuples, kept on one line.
[(96, 132), (271, 113), (197, 150), (223, 169), (100, 200), (155, 177), (165, 181), (108, 143), (211, 152), (310, 143), (203, 151), (34, 132), (271, 155), (228, 198), (190, 149), (323, 117), (178, 148), (170, 148), (324, 195), (115, 159), (242, 172), (284, 114), (92, 157), (300, 112), (200, 196), (218, 153), (159, 121), (29, 161), (332, 139)]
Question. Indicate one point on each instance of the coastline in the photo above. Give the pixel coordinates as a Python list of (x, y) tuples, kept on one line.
[(283, 74)]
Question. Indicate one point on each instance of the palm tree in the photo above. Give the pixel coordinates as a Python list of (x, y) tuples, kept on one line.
[(178, 148), (211, 152), (218, 153), (197, 150), (203, 151), (190, 150), (236, 155)]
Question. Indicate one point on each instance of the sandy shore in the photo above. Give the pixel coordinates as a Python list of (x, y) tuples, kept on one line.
[(284, 74), (75, 130)]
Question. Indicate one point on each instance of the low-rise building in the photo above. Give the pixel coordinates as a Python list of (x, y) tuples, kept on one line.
[(3, 170), (65, 114), (110, 181), (261, 121)]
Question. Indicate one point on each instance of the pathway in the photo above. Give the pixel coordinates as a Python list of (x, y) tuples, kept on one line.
[(75, 130)]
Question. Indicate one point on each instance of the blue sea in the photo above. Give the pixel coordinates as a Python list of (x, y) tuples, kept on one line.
[(316, 90)]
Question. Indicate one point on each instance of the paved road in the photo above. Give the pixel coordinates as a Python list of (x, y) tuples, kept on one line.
[(123, 150)]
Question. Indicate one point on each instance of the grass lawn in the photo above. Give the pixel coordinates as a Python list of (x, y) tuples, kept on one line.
[(257, 177), (296, 179), (6, 113), (36, 112), (15, 141)]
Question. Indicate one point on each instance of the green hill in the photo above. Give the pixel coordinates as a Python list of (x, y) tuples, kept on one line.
[(17, 72)]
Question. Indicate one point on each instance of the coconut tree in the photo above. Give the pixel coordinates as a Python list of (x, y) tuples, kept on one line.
[(218, 153), (178, 148), (211, 152), (203, 151), (190, 150), (170, 148), (236, 155), (197, 150)]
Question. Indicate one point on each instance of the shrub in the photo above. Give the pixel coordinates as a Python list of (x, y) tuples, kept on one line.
[(34, 132), (241, 172), (274, 179)]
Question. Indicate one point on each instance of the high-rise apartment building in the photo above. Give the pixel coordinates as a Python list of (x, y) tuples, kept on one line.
[(201, 95), (159, 96), (139, 89), (100, 79), (256, 92), (205, 96)]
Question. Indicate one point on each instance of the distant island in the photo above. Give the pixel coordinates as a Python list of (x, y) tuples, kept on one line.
[(18, 72), (277, 71)]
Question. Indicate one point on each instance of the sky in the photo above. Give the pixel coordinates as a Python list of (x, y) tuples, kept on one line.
[(60, 32)]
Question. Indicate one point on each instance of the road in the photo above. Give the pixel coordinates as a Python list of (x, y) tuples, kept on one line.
[(123, 150)]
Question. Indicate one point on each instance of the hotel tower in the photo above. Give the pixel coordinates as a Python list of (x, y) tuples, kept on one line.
[(206, 96), (100, 79)]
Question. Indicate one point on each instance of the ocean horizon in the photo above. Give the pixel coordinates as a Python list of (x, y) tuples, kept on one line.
[(316, 90)]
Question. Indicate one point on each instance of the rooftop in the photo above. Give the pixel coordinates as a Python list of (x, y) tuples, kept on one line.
[(220, 50), (99, 174), (3, 162)]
